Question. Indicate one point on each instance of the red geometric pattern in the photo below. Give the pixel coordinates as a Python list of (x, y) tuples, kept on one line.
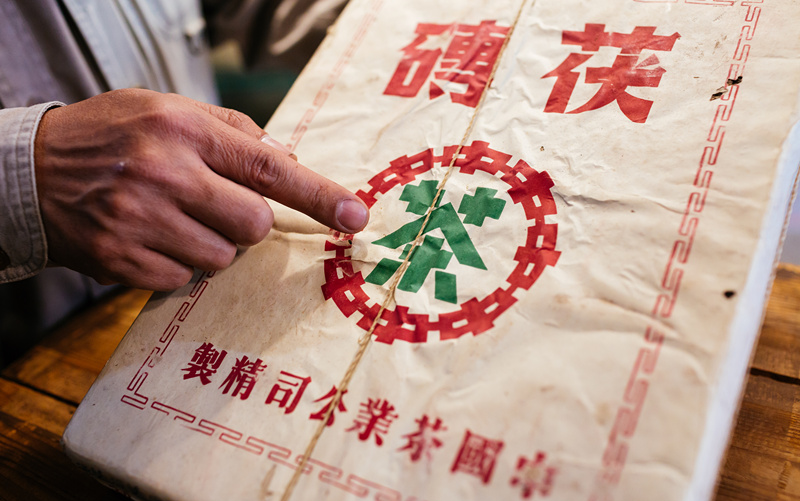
[(328, 474), (334, 75), (134, 397), (527, 187), (627, 418), (716, 3)]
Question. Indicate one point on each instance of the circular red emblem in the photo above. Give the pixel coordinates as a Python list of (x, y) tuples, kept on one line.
[(527, 189)]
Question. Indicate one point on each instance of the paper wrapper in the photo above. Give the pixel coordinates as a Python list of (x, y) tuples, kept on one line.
[(576, 321)]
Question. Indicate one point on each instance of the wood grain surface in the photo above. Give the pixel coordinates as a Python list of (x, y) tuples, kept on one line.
[(778, 349), (66, 363), (39, 394), (763, 461)]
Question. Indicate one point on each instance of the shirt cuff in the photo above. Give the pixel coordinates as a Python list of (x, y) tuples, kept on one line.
[(23, 246)]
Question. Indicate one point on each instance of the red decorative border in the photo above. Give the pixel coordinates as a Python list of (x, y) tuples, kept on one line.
[(137, 399), (333, 76), (635, 392), (527, 187), (328, 474), (713, 3), (624, 428)]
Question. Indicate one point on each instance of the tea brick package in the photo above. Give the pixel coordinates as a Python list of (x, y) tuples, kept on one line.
[(575, 211)]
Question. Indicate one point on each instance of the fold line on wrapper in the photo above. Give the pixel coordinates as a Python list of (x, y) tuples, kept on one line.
[(364, 340)]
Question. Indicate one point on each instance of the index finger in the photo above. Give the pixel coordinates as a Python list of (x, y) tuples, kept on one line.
[(241, 158), (234, 118)]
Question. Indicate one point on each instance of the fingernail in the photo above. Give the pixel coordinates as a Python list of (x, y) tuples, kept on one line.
[(352, 215), (266, 139)]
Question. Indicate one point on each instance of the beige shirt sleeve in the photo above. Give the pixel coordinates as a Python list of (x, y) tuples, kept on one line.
[(23, 246)]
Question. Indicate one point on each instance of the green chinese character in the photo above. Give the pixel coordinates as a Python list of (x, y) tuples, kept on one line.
[(430, 255)]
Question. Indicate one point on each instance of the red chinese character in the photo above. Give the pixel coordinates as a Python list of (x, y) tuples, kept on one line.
[(320, 415), (534, 476), (374, 416), (294, 383), (422, 441), (243, 375), (467, 62), (626, 71), (205, 362), (477, 456)]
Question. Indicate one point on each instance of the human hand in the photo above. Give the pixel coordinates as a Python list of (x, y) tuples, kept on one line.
[(139, 187)]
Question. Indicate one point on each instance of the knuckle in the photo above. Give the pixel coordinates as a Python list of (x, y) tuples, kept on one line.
[(235, 118), (257, 230), (162, 113), (151, 169), (118, 206), (106, 250), (226, 255), (317, 198), (175, 278), (164, 279), (220, 257), (265, 170), (256, 224)]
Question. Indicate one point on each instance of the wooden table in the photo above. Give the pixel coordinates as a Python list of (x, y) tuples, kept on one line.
[(39, 393)]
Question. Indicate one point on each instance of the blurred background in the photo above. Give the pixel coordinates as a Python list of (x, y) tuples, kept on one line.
[(255, 93)]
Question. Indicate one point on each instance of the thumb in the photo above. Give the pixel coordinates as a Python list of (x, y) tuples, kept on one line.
[(241, 122)]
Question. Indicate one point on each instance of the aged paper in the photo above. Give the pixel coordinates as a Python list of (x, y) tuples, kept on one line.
[(576, 317)]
